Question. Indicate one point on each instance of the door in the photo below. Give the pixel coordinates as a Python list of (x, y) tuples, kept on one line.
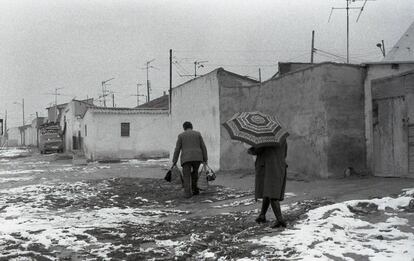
[(411, 150), (390, 137)]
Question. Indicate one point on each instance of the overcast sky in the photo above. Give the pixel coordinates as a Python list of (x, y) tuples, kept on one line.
[(75, 45)]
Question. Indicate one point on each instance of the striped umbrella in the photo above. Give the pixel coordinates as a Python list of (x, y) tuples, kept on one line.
[(256, 129)]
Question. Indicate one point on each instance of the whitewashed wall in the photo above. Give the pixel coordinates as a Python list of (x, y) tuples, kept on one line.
[(148, 134), (197, 101), (14, 137)]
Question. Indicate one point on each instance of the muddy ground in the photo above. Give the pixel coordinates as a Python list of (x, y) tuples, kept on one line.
[(52, 210)]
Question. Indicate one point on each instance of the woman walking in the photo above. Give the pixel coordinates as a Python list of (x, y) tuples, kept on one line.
[(270, 179)]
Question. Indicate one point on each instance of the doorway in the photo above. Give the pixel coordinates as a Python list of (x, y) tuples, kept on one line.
[(390, 125)]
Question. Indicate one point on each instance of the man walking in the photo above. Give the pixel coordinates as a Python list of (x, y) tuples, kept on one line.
[(193, 153)]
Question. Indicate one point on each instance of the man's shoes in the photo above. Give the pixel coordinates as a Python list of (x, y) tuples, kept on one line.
[(261, 219), (279, 224)]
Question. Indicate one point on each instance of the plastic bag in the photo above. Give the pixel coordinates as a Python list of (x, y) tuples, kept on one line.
[(202, 178)]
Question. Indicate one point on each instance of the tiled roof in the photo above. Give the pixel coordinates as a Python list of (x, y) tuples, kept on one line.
[(158, 103), (115, 110)]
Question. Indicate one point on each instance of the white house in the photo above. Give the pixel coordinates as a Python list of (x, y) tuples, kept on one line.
[(121, 133), (70, 121)]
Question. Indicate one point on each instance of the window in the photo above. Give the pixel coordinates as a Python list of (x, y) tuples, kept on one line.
[(125, 129), (86, 130)]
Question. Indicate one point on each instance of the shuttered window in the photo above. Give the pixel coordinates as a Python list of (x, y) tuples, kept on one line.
[(125, 129)]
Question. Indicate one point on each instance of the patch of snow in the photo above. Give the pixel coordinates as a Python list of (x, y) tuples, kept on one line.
[(245, 202), (335, 230), (37, 163), (207, 254), (167, 243), (12, 152), (21, 171), (142, 199), (409, 191), (14, 179), (290, 194), (149, 162)]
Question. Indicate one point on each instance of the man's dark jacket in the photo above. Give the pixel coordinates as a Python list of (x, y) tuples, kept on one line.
[(192, 147)]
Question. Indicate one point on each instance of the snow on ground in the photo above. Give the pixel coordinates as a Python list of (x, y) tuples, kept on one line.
[(12, 152), (339, 230), (30, 216), (15, 179), (20, 171), (138, 162)]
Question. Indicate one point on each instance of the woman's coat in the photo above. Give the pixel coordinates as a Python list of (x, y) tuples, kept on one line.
[(270, 171)]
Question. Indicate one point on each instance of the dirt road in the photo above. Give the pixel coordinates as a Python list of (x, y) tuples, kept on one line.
[(51, 209)]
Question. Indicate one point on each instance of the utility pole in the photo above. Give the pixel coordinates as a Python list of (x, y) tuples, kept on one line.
[(148, 82), (113, 100), (347, 31), (104, 90), (23, 110), (170, 97), (260, 75), (312, 46), (5, 126), (37, 130)]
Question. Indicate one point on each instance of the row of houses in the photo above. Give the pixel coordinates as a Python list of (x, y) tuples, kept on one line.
[(340, 117)]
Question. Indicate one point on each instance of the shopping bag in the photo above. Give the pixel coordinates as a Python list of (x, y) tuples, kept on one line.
[(168, 175), (177, 176), (202, 178), (211, 175)]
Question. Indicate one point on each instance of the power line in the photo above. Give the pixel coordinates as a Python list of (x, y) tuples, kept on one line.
[(332, 54)]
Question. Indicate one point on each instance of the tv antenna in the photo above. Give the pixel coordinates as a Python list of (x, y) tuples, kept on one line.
[(105, 91), (198, 64), (139, 95), (147, 67), (56, 94), (347, 8)]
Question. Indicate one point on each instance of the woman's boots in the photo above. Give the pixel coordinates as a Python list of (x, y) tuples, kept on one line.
[(276, 210), (278, 214)]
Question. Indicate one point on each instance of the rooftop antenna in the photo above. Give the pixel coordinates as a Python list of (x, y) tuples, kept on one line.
[(347, 8), (104, 91), (147, 67), (138, 95), (198, 64)]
